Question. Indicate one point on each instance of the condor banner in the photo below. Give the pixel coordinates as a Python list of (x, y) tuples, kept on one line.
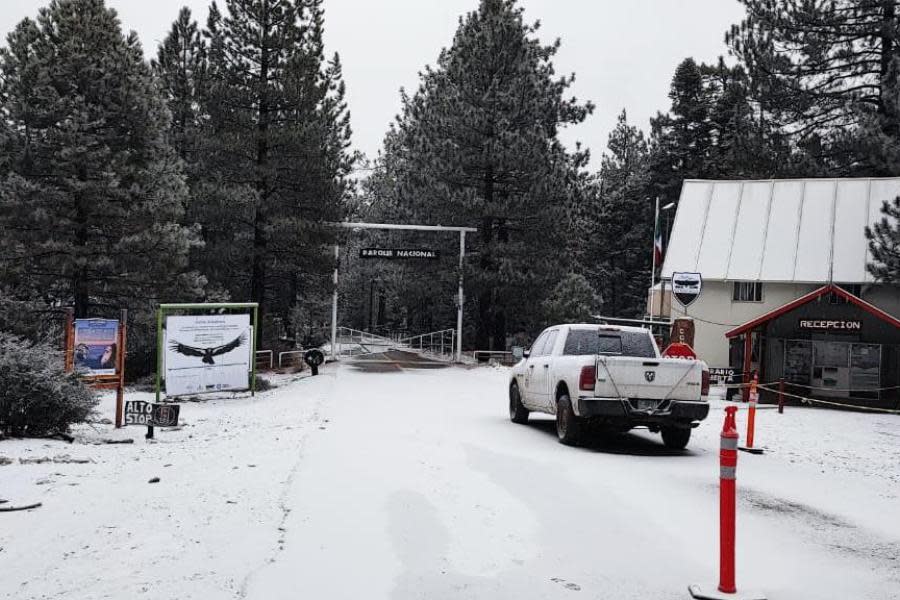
[(207, 353)]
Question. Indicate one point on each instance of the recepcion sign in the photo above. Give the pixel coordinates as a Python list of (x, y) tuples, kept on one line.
[(399, 253), (207, 353), (96, 346), (836, 325)]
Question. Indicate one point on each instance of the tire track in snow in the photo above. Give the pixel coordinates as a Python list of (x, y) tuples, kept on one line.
[(315, 420), (827, 530)]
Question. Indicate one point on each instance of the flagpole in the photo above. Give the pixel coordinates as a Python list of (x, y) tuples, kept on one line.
[(653, 259)]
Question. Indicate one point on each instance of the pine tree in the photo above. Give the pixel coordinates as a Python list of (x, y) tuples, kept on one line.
[(180, 68), (91, 193), (682, 139), (827, 72), (276, 155), (884, 244), (477, 145), (621, 261), (714, 130)]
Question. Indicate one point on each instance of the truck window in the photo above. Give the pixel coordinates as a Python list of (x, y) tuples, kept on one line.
[(538, 344), (625, 343), (549, 345)]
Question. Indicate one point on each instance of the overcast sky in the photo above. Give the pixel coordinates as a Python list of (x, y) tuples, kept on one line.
[(623, 52)]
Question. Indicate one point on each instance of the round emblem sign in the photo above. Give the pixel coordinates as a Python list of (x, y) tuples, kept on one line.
[(314, 357)]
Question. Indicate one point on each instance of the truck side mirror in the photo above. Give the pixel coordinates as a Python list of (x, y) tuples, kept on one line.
[(526, 353)]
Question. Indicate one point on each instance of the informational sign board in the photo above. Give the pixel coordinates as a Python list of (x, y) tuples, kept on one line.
[(207, 353), (835, 325), (95, 347), (399, 253), (722, 375), (686, 287), (138, 412)]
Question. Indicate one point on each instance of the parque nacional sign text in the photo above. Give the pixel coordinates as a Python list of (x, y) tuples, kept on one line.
[(398, 253)]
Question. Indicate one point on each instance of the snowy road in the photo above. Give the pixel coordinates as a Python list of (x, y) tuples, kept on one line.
[(413, 484), (421, 488)]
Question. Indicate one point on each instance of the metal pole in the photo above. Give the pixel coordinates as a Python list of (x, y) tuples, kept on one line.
[(653, 256), (334, 303), (255, 342), (459, 308), (159, 349), (159, 362)]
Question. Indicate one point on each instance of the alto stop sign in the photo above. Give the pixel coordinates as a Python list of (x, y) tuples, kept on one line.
[(679, 350)]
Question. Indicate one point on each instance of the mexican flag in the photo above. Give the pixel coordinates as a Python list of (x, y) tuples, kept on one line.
[(657, 240)]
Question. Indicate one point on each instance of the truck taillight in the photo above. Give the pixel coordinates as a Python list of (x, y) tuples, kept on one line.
[(704, 383), (588, 378)]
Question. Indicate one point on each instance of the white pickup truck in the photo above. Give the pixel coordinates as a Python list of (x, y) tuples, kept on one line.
[(613, 377)]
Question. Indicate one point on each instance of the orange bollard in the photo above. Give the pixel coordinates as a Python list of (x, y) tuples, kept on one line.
[(727, 475), (751, 411), (728, 451)]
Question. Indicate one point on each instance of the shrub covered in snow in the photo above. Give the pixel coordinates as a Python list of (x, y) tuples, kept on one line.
[(37, 397)]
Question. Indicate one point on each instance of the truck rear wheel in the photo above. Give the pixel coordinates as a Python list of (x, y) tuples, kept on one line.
[(569, 427), (676, 438), (517, 411)]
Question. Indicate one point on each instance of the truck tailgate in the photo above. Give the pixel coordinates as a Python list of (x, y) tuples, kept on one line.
[(648, 378)]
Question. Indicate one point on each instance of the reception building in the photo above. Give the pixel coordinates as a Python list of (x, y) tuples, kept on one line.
[(784, 287)]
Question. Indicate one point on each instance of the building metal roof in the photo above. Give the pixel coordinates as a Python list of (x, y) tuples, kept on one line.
[(785, 230)]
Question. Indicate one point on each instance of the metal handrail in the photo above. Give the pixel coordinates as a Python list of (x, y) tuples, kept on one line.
[(348, 335), (281, 355), (271, 356), (441, 347)]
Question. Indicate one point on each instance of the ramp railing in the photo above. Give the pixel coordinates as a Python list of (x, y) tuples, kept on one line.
[(355, 341), (441, 343)]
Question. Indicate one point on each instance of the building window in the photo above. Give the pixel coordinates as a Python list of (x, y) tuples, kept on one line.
[(747, 291)]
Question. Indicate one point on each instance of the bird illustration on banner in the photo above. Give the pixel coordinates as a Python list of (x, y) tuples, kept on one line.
[(208, 353)]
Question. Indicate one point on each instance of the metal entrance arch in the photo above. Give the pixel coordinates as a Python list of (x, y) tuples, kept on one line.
[(436, 228)]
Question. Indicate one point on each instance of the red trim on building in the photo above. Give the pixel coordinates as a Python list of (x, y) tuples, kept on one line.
[(831, 288)]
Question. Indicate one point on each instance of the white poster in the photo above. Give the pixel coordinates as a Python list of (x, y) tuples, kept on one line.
[(207, 353)]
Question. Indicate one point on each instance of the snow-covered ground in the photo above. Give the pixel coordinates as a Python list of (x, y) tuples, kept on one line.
[(413, 484)]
